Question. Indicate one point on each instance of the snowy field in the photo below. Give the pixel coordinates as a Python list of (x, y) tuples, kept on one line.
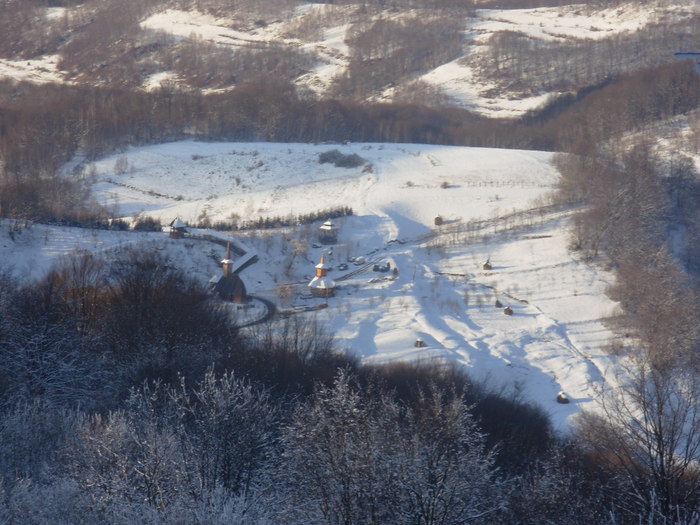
[(494, 207)]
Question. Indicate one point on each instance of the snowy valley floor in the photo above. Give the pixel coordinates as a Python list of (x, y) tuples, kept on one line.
[(494, 207)]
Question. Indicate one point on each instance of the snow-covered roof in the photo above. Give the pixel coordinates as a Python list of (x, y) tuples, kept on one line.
[(244, 261), (177, 223), (324, 282), (328, 225)]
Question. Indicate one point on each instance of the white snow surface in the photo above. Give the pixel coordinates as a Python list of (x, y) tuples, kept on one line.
[(41, 70), (184, 24), (566, 22), (492, 203)]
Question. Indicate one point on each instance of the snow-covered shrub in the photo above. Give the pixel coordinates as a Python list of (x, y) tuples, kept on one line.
[(340, 160), (121, 165), (350, 457), (32, 435), (147, 224)]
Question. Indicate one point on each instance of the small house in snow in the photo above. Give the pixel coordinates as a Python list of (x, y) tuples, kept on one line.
[(321, 284), (178, 229), (328, 233), (228, 285)]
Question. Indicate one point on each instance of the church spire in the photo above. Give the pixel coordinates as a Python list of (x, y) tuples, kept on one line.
[(226, 262), (321, 268)]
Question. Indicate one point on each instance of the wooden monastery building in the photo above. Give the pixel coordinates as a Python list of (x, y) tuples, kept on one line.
[(178, 228), (229, 286), (321, 284), (328, 233)]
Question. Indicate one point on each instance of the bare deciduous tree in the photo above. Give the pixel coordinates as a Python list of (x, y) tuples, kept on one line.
[(649, 433)]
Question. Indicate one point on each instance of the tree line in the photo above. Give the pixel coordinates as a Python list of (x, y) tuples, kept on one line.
[(643, 226), (267, 223), (385, 51), (534, 66), (640, 218)]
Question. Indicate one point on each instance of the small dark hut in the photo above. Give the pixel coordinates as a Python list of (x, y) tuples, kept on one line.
[(487, 265), (231, 288), (508, 310), (178, 229)]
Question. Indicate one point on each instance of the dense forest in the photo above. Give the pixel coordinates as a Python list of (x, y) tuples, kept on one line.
[(126, 397)]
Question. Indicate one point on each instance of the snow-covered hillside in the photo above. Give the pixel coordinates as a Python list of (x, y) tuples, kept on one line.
[(404, 181), (458, 78), (320, 31), (493, 205)]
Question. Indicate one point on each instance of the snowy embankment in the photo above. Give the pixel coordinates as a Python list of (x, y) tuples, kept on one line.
[(493, 207)]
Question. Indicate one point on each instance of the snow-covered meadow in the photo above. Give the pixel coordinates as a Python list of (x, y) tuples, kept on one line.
[(494, 206)]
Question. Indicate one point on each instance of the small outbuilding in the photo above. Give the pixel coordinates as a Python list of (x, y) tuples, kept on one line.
[(328, 233), (178, 229)]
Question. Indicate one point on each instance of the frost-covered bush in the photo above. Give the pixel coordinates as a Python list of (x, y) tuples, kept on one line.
[(147, 224), (350, 457), (340, 160)]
